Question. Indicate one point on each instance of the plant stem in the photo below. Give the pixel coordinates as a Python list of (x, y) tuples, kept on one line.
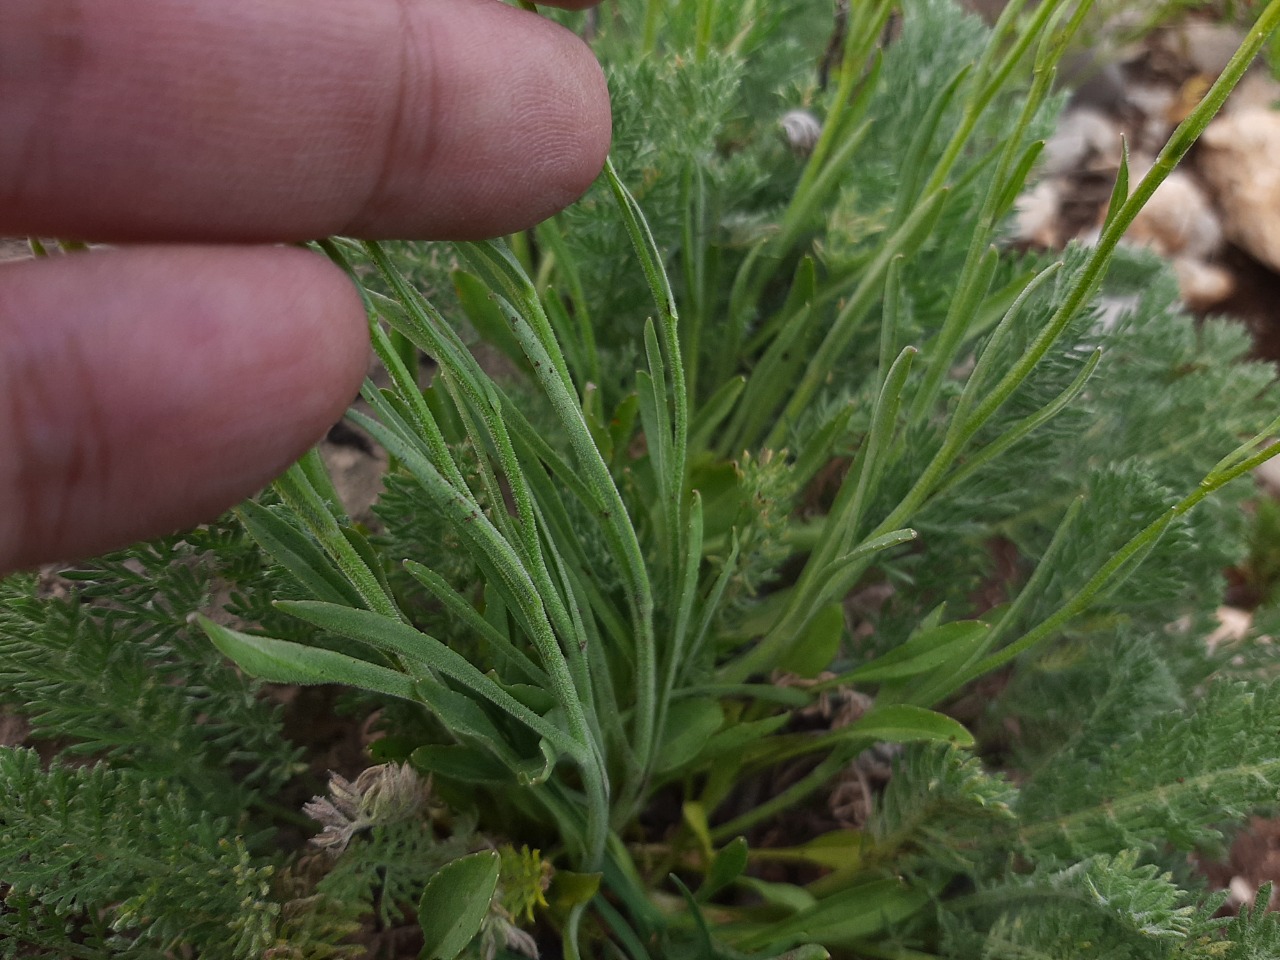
[(702, 37), (1129, 556), (654, 9), (817, 778), (1091, 276), (524, 572)]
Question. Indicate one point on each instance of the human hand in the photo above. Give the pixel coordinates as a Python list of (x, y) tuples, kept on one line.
[(148, 388)]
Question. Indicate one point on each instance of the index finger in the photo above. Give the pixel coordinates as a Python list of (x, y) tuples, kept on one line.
[(245, 120)]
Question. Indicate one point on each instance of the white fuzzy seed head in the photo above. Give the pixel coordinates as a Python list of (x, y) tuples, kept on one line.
[(802, 130)]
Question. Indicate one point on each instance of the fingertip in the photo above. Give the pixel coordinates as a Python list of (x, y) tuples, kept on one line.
[(146, 390), (570, 136), (504, 120)]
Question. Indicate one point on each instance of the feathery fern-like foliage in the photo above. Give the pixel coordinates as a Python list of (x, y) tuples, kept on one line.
[(127, 857), (112, 668)]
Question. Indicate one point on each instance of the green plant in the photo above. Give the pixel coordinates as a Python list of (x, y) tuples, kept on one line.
[(652, 602)]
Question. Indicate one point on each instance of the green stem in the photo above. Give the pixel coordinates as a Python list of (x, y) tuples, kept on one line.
[(693, 199), (1091, 276), (523, 571), (654, 9), (822, 174), (966, 302), (301, 497), (905, 240), (818, 777), (702, 34)]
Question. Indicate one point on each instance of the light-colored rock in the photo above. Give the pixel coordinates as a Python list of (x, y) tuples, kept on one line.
[(1037, 215), (1158, 106), (802, 130), (1257, 90), (1205, 44), (1234, 625), (1240, 891), (1178, 220), (1202, 285), (1268, 474), (1085, 139), (1180, 223), (1239, 158)]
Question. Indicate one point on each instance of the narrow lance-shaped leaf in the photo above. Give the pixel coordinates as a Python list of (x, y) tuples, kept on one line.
[(920, 653), (616, 525), (1018, 179), (1024, 427), (458, 607), (297, 553), (903, 723), (847, 916), (712, 414), (905, 241), (911, 169), (726, 866), (412, 644), (1120, 191), (296, 490), (282, 661), (1123, 562), (822, 578)]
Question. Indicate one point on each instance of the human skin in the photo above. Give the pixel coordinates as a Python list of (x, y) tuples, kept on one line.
[(148, 387)]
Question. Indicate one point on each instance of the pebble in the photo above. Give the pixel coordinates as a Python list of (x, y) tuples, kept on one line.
[(1205, 45), (1203, 285), (1178, 220), (1086, 139), (1238, 158), (1037, 217)]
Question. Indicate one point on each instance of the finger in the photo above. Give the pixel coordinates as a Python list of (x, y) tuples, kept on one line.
[(145, 390), (245, 120)]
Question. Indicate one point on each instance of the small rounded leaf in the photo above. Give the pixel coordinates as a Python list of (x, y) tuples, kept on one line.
[(726, 866), (455, 903)]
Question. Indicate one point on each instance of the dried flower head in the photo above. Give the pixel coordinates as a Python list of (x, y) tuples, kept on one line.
[(387, 793), (837, 706), (498, 931), (853, 792)]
